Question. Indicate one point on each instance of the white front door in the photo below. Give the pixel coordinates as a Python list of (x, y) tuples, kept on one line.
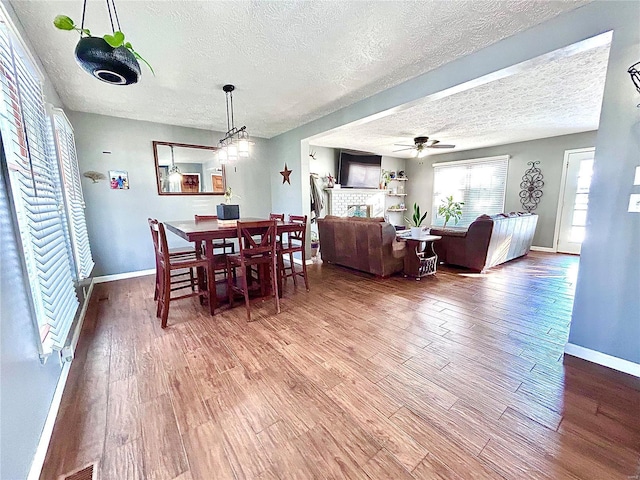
[(574, 202)]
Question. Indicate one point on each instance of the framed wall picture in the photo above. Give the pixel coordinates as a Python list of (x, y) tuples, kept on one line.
[(119, 179)]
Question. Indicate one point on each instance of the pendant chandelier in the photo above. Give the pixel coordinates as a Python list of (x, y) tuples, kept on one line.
[(236, 141), (174, 172)]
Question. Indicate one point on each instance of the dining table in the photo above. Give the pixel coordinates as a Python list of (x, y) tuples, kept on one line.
[(206, 231)]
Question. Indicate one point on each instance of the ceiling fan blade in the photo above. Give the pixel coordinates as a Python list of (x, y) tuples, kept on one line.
[(403, 149), (441, 145), (403, 145)]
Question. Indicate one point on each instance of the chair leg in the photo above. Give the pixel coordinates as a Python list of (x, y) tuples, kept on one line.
[(156, 293), (193, 286), (166, 294), (274, 282), (304, 269), (245, 290), (230, 286), (293, 269)]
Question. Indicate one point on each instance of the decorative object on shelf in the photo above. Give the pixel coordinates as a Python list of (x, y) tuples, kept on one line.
[(392, 175), (330, 181), (119, 179), (93, 175), (634, 71), (286, 173), (108, 58), (416, 221), (401, 174), (312, 154), (531, 186), (450, 209), (236, 141)]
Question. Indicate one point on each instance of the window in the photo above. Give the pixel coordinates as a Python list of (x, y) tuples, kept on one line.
[(34, 181), (480, 184)]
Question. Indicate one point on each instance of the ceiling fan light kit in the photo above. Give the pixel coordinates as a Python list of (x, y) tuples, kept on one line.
[(421, 144)]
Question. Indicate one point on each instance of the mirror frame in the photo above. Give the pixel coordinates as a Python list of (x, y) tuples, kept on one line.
[(185, 145)]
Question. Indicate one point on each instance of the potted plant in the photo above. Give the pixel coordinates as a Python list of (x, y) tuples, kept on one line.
[(108, 58), (315, 244), (450, 209), (415, 222), (385, 179), (227, 211)]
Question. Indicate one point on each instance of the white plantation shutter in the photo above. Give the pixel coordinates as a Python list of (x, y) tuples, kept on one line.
[(72, 187), (36, 191), (481, 184)]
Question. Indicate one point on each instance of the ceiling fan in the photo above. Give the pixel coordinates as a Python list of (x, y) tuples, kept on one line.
[(421, 144)]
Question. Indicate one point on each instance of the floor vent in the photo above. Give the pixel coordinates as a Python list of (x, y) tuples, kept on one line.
[(89, 472)]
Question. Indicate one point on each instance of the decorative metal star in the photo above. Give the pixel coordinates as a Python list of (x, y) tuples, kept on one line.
[(285, 174)]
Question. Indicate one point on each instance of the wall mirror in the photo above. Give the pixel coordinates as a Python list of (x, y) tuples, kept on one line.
[(183, 169)]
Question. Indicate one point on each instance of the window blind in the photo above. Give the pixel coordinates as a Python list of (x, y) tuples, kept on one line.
[(480, 184), (72, 188), (37, 196)]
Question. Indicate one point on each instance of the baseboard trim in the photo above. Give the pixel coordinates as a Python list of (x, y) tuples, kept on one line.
[(123, 276), (544, 249), (298, 261), (603, 359), (47, 431)]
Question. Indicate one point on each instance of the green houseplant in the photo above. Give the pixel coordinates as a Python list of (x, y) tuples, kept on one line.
[(450, 209), (109, 58), (415, 222)]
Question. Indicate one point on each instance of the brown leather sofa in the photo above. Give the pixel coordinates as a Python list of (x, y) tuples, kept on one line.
[(488, 241), (366, 244)]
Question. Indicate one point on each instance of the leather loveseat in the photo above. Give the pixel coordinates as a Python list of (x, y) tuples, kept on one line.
[(488, 241), (366, 244)]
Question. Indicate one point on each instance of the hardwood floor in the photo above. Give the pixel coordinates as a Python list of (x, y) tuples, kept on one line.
[(458, 376)]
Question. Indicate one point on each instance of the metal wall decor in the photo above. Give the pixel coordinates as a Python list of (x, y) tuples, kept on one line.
[(531, 186), (634, 71)]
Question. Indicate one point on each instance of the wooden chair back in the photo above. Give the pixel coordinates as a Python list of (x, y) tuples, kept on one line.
[(276, 216), (160, 242), (251, 248), (301, 233)]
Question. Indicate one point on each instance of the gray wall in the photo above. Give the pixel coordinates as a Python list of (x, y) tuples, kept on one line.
[(550, 153), (117, 219), (606, 309), (606, 313), (27, 385)]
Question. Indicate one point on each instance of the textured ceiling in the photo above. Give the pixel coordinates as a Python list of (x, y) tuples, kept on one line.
[(292, 61), (541, 100)]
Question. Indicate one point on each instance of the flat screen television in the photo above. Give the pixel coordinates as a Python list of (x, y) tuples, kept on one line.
[(359, 169)]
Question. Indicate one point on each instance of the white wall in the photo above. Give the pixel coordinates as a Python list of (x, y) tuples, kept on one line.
[(117, 219), (550, 153)]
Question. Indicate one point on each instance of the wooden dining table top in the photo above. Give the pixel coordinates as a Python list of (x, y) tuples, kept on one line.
[(193, 231)]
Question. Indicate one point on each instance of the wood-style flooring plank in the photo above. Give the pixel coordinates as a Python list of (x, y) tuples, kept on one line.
[(454, 377)]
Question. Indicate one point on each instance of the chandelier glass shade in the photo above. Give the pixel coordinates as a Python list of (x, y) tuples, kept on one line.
[(174, 172), (235, 143)]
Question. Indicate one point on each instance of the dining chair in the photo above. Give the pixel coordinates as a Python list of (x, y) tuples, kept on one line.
[(178, 253), (257, 242), (295, 243), (167, 264), (276, 216)]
